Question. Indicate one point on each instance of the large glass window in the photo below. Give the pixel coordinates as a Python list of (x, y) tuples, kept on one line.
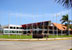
[(20, 31), (11, 31), (6, 31)]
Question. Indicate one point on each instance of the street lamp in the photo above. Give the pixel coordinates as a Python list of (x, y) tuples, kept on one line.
[(53, 26), (8, 26), (56, 23)]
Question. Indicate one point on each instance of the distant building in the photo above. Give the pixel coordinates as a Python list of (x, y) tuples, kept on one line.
[(12, 29)]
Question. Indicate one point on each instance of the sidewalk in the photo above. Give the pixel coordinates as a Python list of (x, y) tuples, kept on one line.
[(43, 39)]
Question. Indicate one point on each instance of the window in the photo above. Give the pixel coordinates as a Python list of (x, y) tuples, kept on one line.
[(10, 31), (20, 31), (6, 31), (24, 32), (14, 27), (17, 27), (13, 31), (29, 32), (46, 23), (11, 27), (45, 31)]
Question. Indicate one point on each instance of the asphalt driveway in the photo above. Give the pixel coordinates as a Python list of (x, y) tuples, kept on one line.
[(36, 45)]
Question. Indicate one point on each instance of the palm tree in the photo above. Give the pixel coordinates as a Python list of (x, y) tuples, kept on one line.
[(64, 18), (66, 21), (66, 3), (70, 26)]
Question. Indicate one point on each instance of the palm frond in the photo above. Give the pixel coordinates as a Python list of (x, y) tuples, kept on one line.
[(62, 22), (65, 3), (64, 19), (70, 26)]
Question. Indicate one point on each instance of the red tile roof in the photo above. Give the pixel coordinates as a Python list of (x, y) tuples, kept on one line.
[(60, 26)]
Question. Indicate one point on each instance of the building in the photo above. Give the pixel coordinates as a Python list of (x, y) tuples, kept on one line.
[(45, 27), (62, 28), (35, 28), (12, 29)]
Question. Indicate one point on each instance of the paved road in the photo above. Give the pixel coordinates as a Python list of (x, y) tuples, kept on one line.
[(36, 45)]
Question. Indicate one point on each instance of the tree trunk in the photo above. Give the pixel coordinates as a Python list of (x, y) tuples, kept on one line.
[(67, 31)]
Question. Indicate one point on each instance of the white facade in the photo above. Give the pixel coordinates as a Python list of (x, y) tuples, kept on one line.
[(12, 29)]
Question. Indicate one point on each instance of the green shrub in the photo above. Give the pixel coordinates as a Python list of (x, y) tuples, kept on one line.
[(71, 49)]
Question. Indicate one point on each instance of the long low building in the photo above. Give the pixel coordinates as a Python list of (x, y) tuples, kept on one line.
[(45, 27), (12, 29)]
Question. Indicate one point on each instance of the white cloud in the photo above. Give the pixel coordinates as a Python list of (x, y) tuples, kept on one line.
[(63, 12), (40, 15), (20, 14)]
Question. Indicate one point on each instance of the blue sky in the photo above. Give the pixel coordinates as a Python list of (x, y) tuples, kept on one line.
[(30, 11)]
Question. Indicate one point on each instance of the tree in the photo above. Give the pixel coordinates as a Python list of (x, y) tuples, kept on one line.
[(70, 26), (0, 28), (67, 21), (0, 25), (66, 3)]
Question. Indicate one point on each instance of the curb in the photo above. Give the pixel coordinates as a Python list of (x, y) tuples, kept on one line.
[(49, 39)]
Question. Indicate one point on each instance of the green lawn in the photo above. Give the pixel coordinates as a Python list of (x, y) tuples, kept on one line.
[(55, 36), (16, 36), (29, 37)]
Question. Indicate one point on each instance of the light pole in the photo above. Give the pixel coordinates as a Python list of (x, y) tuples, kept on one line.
[(71, 15), (16, 28), (56, 23), (8, 26), (47, 31), (61, 30), (43, 29), (53, 26), (68, 23), (36, 27), (26, 29), (32, 28), (21, 30)]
